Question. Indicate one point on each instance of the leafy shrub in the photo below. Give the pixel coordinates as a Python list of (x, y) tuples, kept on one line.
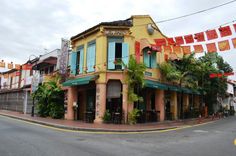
[(107, 116), (56, 110), (42, 109), (133, 116)]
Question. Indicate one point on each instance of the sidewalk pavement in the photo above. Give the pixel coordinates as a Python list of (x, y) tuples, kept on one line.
[(82, 126)]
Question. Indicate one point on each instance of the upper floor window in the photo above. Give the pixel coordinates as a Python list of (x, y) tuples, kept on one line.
[(91, 56), (117, 50), (77, 61), (149, 58)]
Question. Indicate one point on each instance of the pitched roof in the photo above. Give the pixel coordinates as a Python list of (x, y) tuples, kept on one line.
[(125, 23)]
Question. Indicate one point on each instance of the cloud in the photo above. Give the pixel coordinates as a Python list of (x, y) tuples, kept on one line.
[(29, 26)]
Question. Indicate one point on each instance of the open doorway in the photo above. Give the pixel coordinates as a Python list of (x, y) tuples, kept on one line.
[(114, 100)]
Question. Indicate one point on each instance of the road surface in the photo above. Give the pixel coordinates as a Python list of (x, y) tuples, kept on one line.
[(18, 138)]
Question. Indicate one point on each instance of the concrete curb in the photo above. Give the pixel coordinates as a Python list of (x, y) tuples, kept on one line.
[(87, 129)]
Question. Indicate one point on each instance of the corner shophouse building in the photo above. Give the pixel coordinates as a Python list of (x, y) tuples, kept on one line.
[(97, 84)]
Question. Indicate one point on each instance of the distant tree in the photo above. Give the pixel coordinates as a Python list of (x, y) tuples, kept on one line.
[(182, 72)]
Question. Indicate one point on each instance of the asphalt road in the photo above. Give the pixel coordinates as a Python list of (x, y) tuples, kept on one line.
[(18, 138)]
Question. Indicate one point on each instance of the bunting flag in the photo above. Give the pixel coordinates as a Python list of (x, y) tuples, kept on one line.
[(10, 65), (225, 31), (168, 49), (17, 66), (188, 39), (198, 48), (2, 64), (137, 51), (234, 25), (27, 67), (234, 42), (17, 73), (160, 42), (211, 34), (186, 49), (223, 45), (211, 47), (170, 41), (179, 40), (177, 49), (199, 37)]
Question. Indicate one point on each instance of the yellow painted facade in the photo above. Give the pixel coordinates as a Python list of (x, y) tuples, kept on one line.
[(130, 34)]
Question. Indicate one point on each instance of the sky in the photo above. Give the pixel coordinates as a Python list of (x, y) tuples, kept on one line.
[(34, 27)]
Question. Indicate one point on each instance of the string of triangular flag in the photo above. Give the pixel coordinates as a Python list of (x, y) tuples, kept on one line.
[(175, 44)]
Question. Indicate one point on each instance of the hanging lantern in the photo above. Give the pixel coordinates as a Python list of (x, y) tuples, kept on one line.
[(149, 52), (94, 66), (104, 64)]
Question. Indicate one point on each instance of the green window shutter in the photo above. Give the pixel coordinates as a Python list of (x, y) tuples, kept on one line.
[(73, 63), (91, 57), (125, 54), (146, 59), (81, 63), (111, 55), (153, 60)]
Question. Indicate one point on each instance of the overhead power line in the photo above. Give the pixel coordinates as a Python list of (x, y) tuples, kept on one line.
[(201, 11)]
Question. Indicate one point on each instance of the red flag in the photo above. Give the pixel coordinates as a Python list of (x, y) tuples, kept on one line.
[(10, 65), (211, 34), (223, 45), (188, 39), (166, 57), (17, 66), (198, 48), (179, 40), (234, 42), (225, 31), (137, 51), (160, 42), (177, 49), (17, 73), (211, 47), (168, 49), (228, 74), (199, 37), (213, 75), (234, 27), (186, 49), (171, 41), (27, 67)]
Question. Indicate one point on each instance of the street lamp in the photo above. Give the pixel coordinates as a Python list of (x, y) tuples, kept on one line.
[(29, 62)]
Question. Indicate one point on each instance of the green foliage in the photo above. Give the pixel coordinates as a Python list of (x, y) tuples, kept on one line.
[(107, 116), (135, 79), (56, 110), (194, 73), (50, 98), (133, 116)]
